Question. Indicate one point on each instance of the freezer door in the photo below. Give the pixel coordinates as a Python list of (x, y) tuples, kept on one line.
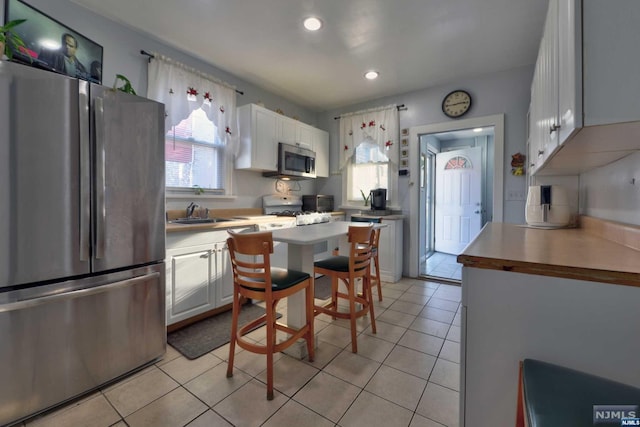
[(129, 220), (40, 166), (65, 339)]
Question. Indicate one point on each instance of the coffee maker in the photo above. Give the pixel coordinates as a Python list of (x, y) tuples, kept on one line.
[(378, 199)]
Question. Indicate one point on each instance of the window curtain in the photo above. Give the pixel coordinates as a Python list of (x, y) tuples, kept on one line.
[(183, 89), (379, 126)]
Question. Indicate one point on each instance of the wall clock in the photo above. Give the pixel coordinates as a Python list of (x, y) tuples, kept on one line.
[(456, 103)]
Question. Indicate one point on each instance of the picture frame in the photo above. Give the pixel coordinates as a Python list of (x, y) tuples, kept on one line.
[(404, 142), (53, 46), (404, 132), (404, 163), (404, 153)]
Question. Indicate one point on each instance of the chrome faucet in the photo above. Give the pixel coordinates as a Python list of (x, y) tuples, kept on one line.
[(192, 207)]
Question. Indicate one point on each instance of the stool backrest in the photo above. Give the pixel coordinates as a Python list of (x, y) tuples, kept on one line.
[(250, 258), (360, 239)]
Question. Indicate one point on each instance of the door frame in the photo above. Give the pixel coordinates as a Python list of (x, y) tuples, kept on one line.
[(426, 190), (497, 121)]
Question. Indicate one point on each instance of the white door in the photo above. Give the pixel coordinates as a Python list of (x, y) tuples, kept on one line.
[(458, 213)]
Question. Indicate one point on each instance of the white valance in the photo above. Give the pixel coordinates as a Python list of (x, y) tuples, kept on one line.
[(379, 126), (183, 89)]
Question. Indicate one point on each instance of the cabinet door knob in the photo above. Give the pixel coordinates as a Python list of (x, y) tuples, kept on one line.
[(554, 128), (540, 152)]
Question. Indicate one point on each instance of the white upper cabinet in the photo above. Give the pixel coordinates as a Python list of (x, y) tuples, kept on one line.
[(294, 132), (262, 129), (258, 138), (287, 131), (321, 147), (584, 111)]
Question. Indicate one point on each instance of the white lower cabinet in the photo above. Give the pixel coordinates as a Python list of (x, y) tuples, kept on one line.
[(390, 250), (507, 317), (389, 246), (199, 275)]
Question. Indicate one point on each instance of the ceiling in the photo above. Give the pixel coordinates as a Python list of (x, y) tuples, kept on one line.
[(414, 44)]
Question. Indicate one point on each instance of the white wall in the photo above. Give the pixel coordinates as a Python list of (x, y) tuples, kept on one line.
[(506, 92), (613, 191)]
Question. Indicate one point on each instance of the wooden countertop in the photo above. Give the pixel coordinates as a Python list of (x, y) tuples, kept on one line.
[(579, 253)]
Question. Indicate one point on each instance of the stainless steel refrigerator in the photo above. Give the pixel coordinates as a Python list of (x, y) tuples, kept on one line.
[(82, 238)]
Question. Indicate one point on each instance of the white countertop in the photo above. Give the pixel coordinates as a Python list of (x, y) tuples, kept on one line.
[(315, 233)]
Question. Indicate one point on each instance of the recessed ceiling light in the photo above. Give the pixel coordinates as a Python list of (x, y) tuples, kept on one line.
[(371, 75), (312, 24), (477, 130)]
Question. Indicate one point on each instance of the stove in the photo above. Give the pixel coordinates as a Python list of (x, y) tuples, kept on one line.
[(291, 205)]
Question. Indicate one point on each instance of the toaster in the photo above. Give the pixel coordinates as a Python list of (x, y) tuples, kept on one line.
[(547, 206)]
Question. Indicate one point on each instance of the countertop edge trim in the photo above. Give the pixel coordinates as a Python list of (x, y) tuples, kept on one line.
[(575, 273)]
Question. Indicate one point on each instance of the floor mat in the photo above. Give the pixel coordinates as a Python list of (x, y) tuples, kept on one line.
[(208, 334)]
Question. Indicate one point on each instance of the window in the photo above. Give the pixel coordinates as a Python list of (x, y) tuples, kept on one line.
[(200, 123), (194, 154), (368, 169), (369, 153)]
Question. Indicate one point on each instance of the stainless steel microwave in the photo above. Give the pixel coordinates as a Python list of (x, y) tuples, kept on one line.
[(294, 162)]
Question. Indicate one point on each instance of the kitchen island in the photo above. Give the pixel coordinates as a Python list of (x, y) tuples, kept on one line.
[(301, 241), (568, 297)]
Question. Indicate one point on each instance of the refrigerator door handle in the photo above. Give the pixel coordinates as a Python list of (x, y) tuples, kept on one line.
[(100, 179), (85, 172), (34, 302)]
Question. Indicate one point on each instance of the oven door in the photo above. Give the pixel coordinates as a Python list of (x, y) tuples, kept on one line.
[(296, 161)]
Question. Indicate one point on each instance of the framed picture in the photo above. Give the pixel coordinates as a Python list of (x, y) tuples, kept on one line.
[(405, 132), (404, 142), (53, 46), (404, 153), (404, 163)]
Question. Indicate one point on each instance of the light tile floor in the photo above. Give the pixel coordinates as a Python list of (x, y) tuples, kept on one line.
[(442, 265), (407, 374)]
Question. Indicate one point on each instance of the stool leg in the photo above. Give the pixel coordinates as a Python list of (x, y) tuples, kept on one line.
[(351, 286), (376, 262), (234, 331), (270, 343), (334, 295), (369, 298), (310, 319)]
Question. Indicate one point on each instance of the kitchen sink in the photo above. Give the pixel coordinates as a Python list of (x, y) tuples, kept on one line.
[(198, 220)]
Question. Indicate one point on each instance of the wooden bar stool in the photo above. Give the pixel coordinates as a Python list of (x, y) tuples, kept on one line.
[(348, 270), (375, 278), (254, 278)]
